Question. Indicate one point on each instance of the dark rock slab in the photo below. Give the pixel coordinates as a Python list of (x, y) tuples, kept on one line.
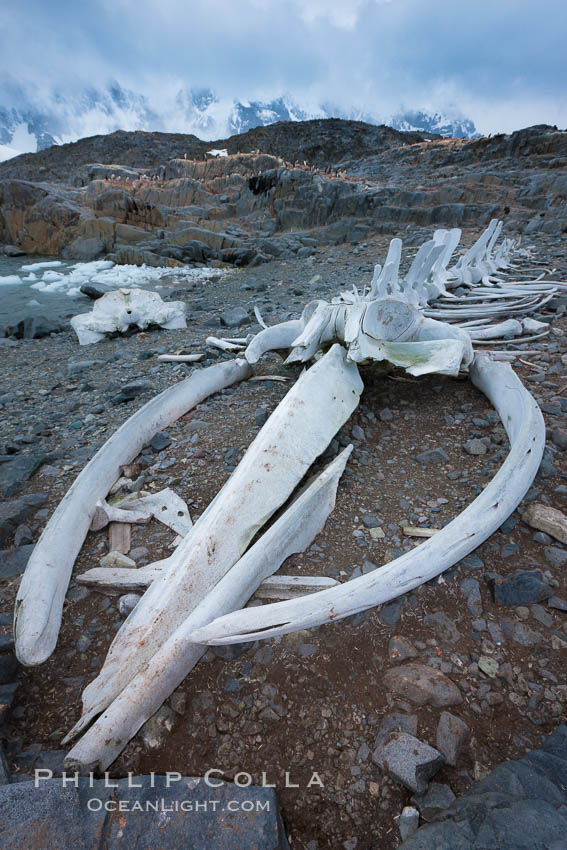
[(234, 318), (520, 588), (436, 799), (228, 818), (95, 290), (390, 614), (18, 470), (36, 327), (393, 724), (160, 441), (555, 556), (13, 561), (430, 456), (18, 511), (132, 390), (8, 667), (4, 767), (443, 626), (452, 735), (7, 694)]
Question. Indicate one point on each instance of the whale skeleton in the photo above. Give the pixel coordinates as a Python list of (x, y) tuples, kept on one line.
[(426, 322)]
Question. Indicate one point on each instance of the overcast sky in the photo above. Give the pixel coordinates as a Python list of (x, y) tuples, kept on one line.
[(501, 62)]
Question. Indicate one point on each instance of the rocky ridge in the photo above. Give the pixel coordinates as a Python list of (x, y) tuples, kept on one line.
[(319, 183)]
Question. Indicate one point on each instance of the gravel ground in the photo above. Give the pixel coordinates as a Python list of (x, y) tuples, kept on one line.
[(310, 702)]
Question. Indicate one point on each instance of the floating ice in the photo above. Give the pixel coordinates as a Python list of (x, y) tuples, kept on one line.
[(69, 279), (51, 277), (10, 280), (51, 264)]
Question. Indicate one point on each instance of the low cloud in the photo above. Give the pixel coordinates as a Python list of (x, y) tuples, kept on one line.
[(500, 62)]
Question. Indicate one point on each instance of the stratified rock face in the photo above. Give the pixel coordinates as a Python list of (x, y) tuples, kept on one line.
[(137, 198)]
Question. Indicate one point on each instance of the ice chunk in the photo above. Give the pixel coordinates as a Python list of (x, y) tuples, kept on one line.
[(69, 279), (51, 264)]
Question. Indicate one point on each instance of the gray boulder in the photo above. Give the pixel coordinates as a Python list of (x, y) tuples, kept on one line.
[(409, 761)]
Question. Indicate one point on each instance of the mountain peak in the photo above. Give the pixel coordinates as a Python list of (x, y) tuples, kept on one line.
[(26, 126)]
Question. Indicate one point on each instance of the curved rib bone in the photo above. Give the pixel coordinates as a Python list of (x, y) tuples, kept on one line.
[(524, 424), (273, 338), (141, 698), (39, 604)]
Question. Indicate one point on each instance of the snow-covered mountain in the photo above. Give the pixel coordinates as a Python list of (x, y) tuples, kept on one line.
[(29, 124), (455, 126)]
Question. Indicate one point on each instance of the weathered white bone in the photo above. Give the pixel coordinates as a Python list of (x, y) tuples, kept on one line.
[(471, 268), (166, 506), (273, 339), (532, 326), (122, 578), (259, 318), (299, 429), (105, 513), (511, 327), (144, 694), (119, 537), (277, 378), (181, 358), (382, 329), (39, 603), (290, 587), (223, 344), (132, 579), (525, 427), (413, 531), (118, 310)]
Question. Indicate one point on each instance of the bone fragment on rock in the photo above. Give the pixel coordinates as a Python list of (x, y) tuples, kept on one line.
[(117, 311)]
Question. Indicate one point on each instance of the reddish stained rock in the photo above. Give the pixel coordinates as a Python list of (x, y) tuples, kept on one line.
[(422, 685)]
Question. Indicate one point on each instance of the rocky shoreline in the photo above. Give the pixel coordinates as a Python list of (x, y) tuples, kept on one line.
[(280, 193), (470, 664)]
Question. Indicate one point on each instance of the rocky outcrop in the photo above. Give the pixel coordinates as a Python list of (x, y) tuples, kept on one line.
[(521, 804), (319, 142), (250, 206)]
